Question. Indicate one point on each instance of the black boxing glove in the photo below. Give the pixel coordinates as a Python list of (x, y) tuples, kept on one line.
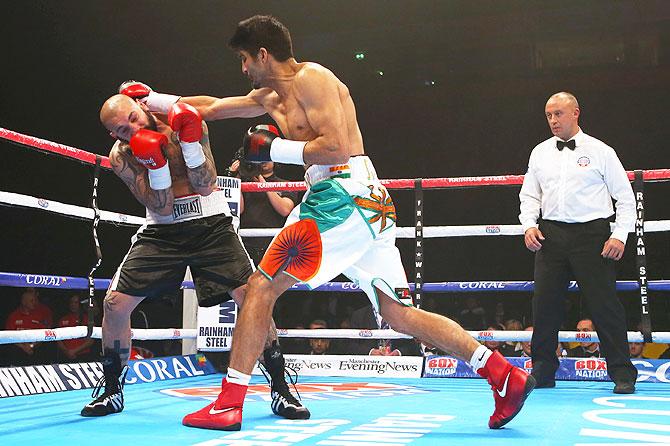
[(262, 144)]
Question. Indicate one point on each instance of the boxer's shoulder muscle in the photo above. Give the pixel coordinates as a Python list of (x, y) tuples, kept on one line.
[(313, 79), (264, 96), (134, 176), (129, 170), (123, 162), (312, 72)]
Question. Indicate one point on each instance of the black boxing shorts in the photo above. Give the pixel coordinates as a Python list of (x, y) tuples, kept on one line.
[(156, 262)]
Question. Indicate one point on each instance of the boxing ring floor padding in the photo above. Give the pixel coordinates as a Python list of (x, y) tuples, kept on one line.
[(350, 411)]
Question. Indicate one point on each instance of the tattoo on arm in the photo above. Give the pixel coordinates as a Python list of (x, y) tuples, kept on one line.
[(135, 176), (204, 176), (201, 177)]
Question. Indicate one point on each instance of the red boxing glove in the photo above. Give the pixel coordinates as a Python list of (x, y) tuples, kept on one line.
[(149, 148), (135, 89), (185, 120), (157, 102)]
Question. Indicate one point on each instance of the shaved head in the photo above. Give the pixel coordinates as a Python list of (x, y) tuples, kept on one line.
[(118, 103), (565, 96), (113, 105)]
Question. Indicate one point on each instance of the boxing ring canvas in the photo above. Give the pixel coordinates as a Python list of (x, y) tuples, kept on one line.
[(346, 411)]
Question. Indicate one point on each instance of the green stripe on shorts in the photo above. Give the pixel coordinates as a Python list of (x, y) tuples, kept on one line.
[(328, 204)]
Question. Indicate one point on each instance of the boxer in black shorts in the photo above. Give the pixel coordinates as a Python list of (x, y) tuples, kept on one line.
[(167, 164)]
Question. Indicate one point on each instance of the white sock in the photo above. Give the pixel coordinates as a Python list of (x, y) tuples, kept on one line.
[(235, 377), (479, 357)]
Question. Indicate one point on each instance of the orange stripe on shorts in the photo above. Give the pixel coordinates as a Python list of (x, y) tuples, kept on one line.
[(339, 168), (296, 249)]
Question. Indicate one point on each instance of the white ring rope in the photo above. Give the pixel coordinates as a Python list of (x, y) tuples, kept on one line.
[(158, 334), (12, 199), (70, 210), (64, 333)]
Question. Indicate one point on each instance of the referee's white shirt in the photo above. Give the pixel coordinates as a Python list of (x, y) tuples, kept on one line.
[(576, 186)]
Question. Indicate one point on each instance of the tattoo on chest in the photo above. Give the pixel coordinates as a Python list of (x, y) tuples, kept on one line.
[(176, 159)]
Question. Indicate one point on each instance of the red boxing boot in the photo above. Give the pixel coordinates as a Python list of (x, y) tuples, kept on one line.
[(224, 414), (511, 386)]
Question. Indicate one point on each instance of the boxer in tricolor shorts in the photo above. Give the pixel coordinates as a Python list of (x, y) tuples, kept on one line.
[(170, 169), (345, 224)]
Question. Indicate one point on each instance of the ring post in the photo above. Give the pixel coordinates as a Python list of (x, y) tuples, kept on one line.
[(641, 256), (98, 251)]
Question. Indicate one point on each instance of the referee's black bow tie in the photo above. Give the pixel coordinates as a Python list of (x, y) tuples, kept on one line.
[(560, 145)]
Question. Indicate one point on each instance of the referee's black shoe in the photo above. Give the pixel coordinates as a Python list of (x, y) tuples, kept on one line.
[(111, 400), (624, 387), (283, 403)]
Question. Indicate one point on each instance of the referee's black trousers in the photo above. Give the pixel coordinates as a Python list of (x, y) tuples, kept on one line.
[(573, 250)]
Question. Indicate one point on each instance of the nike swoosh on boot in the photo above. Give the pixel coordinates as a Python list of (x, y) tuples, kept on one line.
[(503, 392), (213, 411)]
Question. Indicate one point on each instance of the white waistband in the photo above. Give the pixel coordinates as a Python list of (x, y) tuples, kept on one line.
[(357, 168), (191, 207)]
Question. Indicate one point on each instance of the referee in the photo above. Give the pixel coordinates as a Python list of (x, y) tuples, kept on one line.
[(571, 180)]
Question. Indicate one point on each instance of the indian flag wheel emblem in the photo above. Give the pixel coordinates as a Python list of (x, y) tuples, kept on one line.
[(296, 250)]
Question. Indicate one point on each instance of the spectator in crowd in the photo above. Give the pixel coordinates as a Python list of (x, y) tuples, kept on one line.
[(636, 350), (585, 349), (501, 346), (27, 317), (295, 346), (319, 346), (261, 209), (499, 314), (525, 346), (513, 348), (494, 345), (75, 350), (44, 313), (472, 316)]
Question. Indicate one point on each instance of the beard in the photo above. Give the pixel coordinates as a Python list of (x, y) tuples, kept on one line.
[(151, 125), (255, 83), (151, 120)]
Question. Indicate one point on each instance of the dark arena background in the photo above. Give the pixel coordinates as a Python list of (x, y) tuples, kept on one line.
[(442, 88)]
